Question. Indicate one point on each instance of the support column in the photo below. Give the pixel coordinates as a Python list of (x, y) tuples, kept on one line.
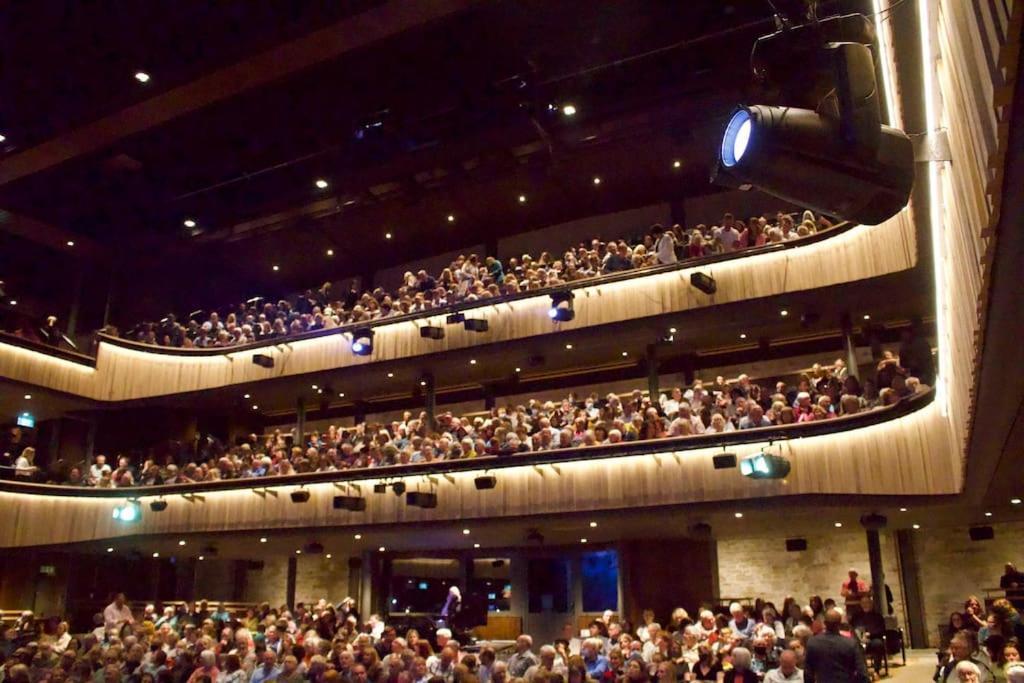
[(90, 441), (293, 573), (850, 346), (912, 600), (873, 524), (355, 580), (430, 401), (110, 299), (300, 422), (76, 301), (652, 372)]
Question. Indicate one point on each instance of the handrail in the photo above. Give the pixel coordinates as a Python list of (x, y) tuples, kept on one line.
[(467, 305), (40, 347), (493, 462)]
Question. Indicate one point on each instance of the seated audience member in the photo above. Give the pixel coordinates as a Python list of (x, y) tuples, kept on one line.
[(786, 671)]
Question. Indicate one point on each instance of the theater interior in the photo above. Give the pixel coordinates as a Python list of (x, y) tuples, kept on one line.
[(586, 311)]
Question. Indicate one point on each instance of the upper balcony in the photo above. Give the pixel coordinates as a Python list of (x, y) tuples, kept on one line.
[(124, 370)]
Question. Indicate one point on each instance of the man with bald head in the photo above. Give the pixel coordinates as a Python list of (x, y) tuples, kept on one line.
[(787, 670), (834, 658)]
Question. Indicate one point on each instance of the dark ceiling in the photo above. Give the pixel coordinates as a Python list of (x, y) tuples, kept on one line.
[(450, 115)]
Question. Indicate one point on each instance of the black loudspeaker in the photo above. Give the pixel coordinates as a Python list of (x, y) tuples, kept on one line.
[(475, 325), (263, 360), (981, 533), (428, 332), (796, 545), (300, 496), (487, 481), (724, 461), (353, 503), (254, 565), (158, 505), (704, 283), (421, 499)]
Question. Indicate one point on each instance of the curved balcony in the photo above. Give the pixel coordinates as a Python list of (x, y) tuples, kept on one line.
[(126, 370), (901, 450)]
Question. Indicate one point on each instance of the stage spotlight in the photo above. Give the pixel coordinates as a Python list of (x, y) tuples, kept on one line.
[(313, 548), (128, 512), (351, 503), (158, 505), (764, 466), (704, 283), (362, 341), (475, 325), (300, 496), (398, 487), (421, 500), (562, 310), (487, 481), (455, 318), (428, 332), (838, 159), (380, 487)]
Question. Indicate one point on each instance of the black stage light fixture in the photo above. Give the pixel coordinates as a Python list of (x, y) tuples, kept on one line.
[(796, 545), (362, 341), (834, 157), (981, 533), (810, 319), (454, 318), (484, 482), (313, 548), (352, 503), (158, 505), (764, 466), (704, 283), (263, 360), (398, 487), (428, 332), (724, 461), (380, 487), (475, 325), (300, 496), (562, 309), (421, 499)]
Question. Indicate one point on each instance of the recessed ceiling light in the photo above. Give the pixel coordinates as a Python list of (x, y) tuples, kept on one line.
[(13, 302), (391, 374), (381, 549), (3, 138), (838, 525), (903, 509), (28, 397), (743, 335), (321, 184), (783, 312), (522, 199), (255, 407), (519, 369), (625, 353), (330, 252), (476, 545), (315, 387), (583, 540), (676, 163), (142, 77), (568, 347), (472, 361), (597, 180), (70, 243), (1013, 501), (739, 515), (917, 526), (387, 235), (189, 223), (341, 394), (263, 539), (328, 556), (988, 514), (181, 542), (451, 218), (201, 558), (110, 550), (298, 551), (276, 267), (358, 537), (423, 382), (671, 330), (593, 525), (156, 554), (867, 317), (465, 532), (245, 396), (569, 110)]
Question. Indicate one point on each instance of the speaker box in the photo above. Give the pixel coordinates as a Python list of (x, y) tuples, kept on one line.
[(981, 533), (263, 360), (421, 499), (796, 545), (724, 461), (353, 503)]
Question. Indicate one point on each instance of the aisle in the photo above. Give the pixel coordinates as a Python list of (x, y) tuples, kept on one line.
[(919, 669)]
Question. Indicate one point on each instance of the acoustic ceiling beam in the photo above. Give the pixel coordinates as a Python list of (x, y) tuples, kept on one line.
[(279, 62)]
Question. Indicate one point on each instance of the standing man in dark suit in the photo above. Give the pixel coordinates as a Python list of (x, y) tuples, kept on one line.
[(834, 658)]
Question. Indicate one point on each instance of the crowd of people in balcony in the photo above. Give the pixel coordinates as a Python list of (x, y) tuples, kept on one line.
[(323, 642), (470, 278), (825, 392)]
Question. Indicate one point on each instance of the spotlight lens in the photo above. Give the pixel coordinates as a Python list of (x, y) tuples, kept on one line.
[(737, 137), (357, 347), (553, 313)]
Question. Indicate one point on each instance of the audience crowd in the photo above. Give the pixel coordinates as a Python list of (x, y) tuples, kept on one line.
[(469, 278), (824, 392)]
